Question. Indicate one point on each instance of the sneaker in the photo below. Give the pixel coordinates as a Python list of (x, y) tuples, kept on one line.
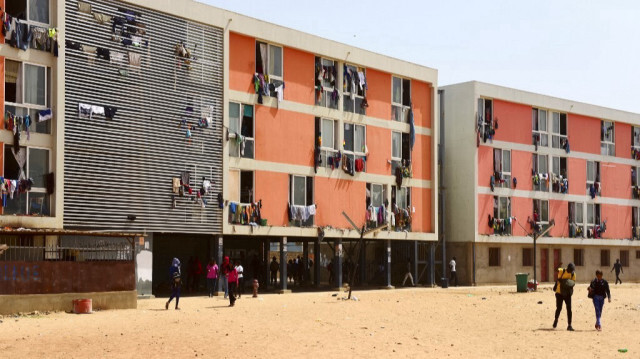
[(166, 306), (570, 328), (177, 308), (555, 323)]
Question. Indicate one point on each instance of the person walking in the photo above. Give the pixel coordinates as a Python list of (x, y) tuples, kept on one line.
[(175, 276), (224, 275), (617, 266), (408, 275), (212, 276), (599, 290), (273, 268), (452, 268), (240, 270), (232, 278), (566, 279)]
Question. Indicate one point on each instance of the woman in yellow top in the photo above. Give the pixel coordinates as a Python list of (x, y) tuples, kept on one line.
[(563, 275)]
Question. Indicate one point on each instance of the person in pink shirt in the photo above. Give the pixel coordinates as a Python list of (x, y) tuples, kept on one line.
[(212, 276), (233, 284)]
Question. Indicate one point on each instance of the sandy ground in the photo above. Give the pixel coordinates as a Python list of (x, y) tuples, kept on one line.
[(480, 322)]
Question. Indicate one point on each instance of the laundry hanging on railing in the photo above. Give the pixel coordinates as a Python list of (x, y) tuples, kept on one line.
[(301, 213), (245, 213), (20, 35), (87, 111), (376, 216), (560, 184)]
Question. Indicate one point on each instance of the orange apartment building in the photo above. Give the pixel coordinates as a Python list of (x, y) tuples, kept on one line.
[(518, 162), (331, 135)]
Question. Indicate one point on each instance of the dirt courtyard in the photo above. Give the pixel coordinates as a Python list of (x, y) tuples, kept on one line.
[(466, 322)]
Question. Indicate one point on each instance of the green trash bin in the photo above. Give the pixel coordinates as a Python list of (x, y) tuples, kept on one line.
[(521, 281)]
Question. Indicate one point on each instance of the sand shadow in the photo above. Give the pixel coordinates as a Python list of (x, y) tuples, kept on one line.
[(218, 306), (561, 330)]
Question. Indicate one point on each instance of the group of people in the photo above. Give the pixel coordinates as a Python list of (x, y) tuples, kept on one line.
[(598, 291), (230, 275), (296, 271)]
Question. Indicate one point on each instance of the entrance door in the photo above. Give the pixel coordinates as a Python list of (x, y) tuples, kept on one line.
[(544, 265), (557, 263)]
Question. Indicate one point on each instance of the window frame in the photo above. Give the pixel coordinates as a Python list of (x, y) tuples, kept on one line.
[(605, 253), (596, 214), (498, 206), (635, 222), (30, 22), (273, 79), (596, 174), (346, 95), (400, 107), (399, 157), (578, 257), (562, 173), (527, 257), (573, 213), (27, 172), (28, 105), (506, 175), (325, 150), (635, 140), (292, 178), (495, 259), (383, 194), (557, 138), (327, 90), (624, 257), (605, 142), (543, 206), (355, 154), (252, 188), (536, 123), (234, 149), (542, 186)]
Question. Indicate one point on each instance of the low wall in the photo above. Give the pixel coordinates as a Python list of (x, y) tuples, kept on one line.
[(10, 304)]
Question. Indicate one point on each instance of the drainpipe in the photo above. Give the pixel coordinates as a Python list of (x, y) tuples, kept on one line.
[(441, 187)]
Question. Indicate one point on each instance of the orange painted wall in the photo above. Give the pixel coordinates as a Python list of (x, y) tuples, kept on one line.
[(616, 180), (559, 211), (273, 189), (618, 221), (379, 145), (485, 208), (584, 133), (334, 196), (242, 57), (379, 94), (623, 140), (421, 99), (577, 175), (521, 169), (514, 122), (421, 201), (299, 71), (284, 136), (485, 165), (421, 159)]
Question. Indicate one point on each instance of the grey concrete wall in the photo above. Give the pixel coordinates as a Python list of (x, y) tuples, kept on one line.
[(10, 304)]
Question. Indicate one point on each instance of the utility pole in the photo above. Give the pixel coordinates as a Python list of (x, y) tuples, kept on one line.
[(535, 236)]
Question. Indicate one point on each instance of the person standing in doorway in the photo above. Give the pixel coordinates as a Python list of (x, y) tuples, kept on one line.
[(175, 276), (232, 278), (452, 268), (330, 269), (212, 276), (273, 268), (617, 266), (599, 290), (224, 275), (240, 287), (408, 275), (564, 290)]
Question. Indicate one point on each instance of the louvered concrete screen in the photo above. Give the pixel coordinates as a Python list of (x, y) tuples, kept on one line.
[(123, 167)]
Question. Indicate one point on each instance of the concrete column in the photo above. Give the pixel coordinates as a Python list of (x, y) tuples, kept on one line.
[(389, 263), (305, 262), (316, 263), (337, 263), (362, 266), (283, 264), (219, 251), (432, 264)]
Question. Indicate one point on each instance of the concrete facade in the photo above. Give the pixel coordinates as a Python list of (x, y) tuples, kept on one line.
[(10, 304), (472, 203)]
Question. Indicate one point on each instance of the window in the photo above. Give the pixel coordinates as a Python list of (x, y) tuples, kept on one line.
[(26, 92), (578, 257), (527, 257), (355, 142), (502, 215), (541, 172), (624, 258), (241, 127), (635, 143), (635, 182), (559, 180), (354, 91), (604, 258), (494, 257), (36, 167), (637, 254), (541, 214), (593, 218), (401, 207), (400, 98), (31, 11), (301, 194), (327, 132), (607, 139), (485, 119), (539, 126), (326, 83), (400, 150), (502, 167), (558, 129), (576, 220), (635, 222), (376, 195), (246, 187), (593, 174), (269, 62)]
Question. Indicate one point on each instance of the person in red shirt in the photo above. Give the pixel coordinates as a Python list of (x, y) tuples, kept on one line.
[(233, 284)]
